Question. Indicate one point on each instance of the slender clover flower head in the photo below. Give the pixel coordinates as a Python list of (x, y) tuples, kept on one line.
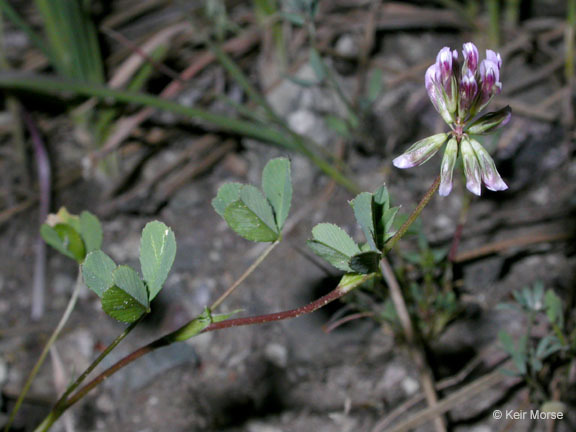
[(459, 92)]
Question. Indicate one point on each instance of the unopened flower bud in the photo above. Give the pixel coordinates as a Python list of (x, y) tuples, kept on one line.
[(444, 64), (488, 122), (421, 151), (470, 53), (493, 56), (490, 78), (447, 168), (436, 92), (471, 167), (490, 176), (468, 91)]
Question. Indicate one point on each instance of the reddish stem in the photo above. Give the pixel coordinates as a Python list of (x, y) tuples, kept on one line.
[(293, 313), (237, 322)]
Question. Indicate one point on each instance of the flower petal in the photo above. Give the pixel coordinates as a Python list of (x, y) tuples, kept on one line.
[(421, 151), (470, 54), (447, 168), (490, 176), (471, 167)]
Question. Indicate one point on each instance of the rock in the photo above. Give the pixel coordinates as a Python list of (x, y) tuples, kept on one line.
[(347, 46), (105, 403), (277, 354), (262, 427), (410, 386)]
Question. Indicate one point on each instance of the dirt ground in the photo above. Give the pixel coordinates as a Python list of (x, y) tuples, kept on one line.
[(293, 375)]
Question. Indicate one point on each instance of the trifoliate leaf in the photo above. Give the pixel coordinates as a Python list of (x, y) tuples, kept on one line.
[(157, 253), (90, 231), (97, 270), (227, 194), (334, 245), (277, 186)]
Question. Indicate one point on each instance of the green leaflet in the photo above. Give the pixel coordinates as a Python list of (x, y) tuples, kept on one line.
[(157, 253), (128, 281), (122, 306), (247, 224), (277, 186), (97, 270), (251, 215), (127, 300), (227, 194), (362, 206), (375, 217), (255, 201), (90, 231), (65, 240), (332, 243)]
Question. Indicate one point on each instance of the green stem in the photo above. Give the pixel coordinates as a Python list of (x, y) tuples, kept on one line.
[(51, 340), (413, 216), (96, 362), (343, 288), (60, 406), (244, 275)]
